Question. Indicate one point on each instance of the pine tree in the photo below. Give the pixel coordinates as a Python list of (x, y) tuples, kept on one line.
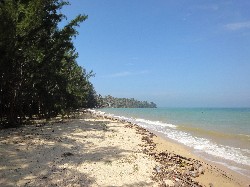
[(39, 73)]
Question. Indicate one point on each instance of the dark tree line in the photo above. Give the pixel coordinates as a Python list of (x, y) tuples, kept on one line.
[(113, 102), (39, 74)]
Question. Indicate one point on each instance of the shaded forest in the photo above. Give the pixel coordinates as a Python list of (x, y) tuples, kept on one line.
[(39, 75)]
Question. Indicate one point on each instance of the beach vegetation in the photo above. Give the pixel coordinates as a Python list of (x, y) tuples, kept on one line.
[(39, 74)]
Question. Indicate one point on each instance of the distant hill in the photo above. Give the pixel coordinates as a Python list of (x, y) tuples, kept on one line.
[(113, 102)]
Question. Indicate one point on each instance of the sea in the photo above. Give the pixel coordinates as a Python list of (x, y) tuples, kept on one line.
[(220, 135)]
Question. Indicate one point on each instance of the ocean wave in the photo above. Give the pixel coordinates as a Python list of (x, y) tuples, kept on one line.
[(197, 143), (207, 146), (155, 123)]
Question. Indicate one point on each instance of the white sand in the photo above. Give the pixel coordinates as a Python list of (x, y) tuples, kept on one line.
[(89, 152), (82, 152)]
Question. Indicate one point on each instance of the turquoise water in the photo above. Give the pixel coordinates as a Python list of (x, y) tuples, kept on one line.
[(218, 134)]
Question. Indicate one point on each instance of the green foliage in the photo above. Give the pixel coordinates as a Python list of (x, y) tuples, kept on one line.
[(112, 102), (38, 69)]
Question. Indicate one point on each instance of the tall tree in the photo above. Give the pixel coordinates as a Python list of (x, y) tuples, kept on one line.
[(39, 73)]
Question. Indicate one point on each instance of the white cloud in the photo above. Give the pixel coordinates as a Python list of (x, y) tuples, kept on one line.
[(142, 72), (238, 26), (130, 64), (134, 58), (127, 73), (120, 74)]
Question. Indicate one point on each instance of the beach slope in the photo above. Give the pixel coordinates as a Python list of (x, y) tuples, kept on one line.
[(94, 151)]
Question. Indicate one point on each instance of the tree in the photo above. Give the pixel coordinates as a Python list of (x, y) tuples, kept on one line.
[(39, 73), (113, 102)]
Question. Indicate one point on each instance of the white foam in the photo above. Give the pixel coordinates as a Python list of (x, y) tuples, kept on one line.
[(155, 123), (200, 144), (207, 146)]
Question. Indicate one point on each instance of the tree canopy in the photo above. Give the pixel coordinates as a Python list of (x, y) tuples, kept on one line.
[(39, 74)]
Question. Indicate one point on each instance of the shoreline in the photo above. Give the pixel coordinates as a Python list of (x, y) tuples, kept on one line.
[(91, 150), (217, 170), (187, 151)]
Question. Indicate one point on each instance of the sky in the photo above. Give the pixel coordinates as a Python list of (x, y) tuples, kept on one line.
[(176, 53)]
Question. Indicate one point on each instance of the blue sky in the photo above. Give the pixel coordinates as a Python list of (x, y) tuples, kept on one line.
[(177, 53)]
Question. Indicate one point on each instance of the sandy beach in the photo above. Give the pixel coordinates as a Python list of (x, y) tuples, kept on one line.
[(91, 150)]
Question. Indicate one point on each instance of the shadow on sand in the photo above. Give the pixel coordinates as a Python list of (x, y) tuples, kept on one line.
[(50, 154)]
